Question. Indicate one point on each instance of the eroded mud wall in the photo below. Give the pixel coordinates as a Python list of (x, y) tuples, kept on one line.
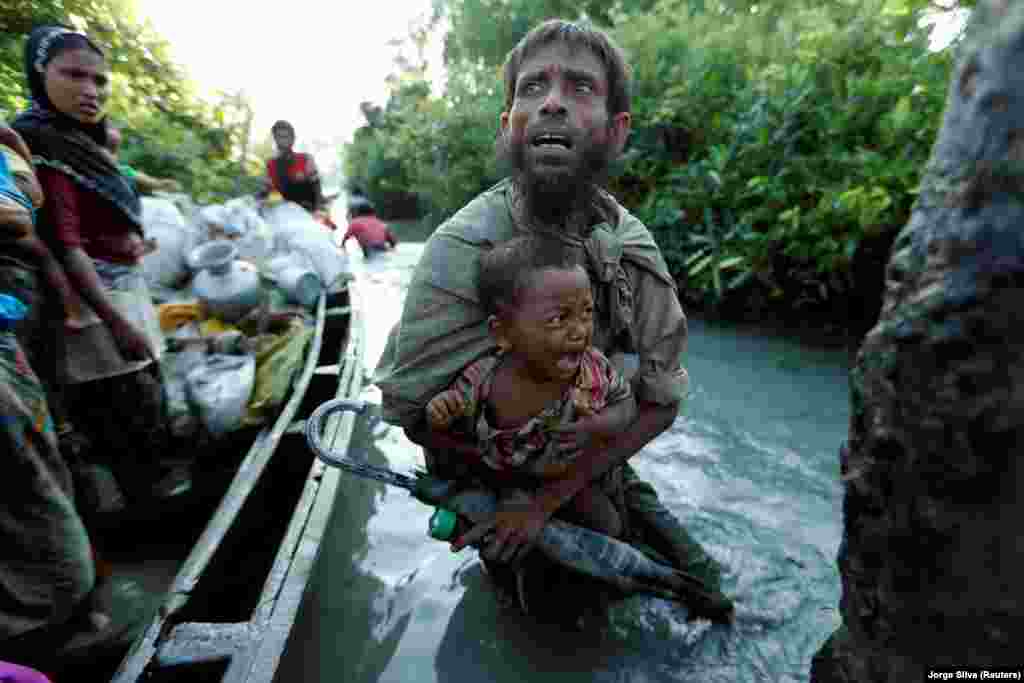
[(933, 546)]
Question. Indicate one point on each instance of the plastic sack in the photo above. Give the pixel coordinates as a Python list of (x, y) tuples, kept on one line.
[(330, 262), (162, 221), (212, 221), (279, 359), (295, 230), (174, 368), (255, 241), (220, 388)]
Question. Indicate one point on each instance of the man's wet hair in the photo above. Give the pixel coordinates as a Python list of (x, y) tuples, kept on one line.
[(577, 36), (505, 270), (282, 125)]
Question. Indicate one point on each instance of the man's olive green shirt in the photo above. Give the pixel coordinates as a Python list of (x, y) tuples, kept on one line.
[(443, 327)]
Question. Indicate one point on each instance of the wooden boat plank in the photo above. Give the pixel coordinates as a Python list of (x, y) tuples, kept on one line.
[(297, 427), (248, 474), (192, 643), (275, 617), (143, 649)]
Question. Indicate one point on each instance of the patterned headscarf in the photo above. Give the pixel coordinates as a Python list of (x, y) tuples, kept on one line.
[(59, 141)]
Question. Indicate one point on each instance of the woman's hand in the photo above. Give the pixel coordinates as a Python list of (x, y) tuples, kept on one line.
[(132, 342)]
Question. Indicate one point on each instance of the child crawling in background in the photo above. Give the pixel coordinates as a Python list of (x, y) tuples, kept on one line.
[(547, 392), (20, 196)]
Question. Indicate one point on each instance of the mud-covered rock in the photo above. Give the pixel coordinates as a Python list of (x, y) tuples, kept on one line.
[(932, 543)]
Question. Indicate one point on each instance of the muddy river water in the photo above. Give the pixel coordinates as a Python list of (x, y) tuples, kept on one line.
[(750, 466)]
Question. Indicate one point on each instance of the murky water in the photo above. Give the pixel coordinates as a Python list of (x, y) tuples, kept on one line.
[(750, 467)]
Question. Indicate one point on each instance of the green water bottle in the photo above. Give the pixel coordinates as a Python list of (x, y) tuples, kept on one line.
[(445, 525)]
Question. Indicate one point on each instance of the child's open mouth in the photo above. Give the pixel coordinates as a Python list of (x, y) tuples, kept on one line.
[(569, 361)]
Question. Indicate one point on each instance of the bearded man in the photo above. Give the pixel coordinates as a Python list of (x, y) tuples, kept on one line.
[(567, 116)]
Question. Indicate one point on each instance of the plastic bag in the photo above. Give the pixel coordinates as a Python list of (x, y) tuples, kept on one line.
[(330, 262), (220, 388), (213, 221), (162, 221), (255, 241), (279, 360), (295, 230), (174, 367)]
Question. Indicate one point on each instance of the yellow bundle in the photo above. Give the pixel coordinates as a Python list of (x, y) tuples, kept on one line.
[(173, 316)]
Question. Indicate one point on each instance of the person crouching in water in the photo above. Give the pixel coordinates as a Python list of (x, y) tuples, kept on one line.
[(373, 234), (547, 392)]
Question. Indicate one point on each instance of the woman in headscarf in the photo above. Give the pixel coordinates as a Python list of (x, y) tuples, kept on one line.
[(92, 219)]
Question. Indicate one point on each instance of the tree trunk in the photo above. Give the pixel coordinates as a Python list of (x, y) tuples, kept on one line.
[(933, 545)]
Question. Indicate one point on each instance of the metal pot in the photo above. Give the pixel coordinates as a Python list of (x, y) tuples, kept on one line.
[(227, 288)]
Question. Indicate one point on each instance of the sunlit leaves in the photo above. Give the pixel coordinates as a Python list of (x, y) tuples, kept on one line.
[(168, 130)]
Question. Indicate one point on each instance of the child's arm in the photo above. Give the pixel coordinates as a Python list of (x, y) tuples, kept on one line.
[(459, 400), (445, 408), (149, 184)]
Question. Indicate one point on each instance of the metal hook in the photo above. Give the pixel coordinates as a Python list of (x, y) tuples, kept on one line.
[(315, 426), (345, 461)]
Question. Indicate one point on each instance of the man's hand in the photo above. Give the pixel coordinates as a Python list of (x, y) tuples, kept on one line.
[(574, 436), (511, 534), (445, 408)]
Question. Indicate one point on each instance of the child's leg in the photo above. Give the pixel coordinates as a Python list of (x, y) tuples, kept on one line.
[(595, 510)]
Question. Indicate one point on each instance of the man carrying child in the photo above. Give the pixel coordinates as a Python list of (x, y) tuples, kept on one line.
[(567, 116)]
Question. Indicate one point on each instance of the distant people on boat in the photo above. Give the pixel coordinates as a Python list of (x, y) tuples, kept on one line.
[(143, 182), (373, 234), (295, 177), (567, 116), (92, 221), (46, 562), (546, 392)]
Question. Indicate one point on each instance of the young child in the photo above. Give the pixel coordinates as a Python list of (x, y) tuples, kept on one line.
[(20, 196), (547, 393)]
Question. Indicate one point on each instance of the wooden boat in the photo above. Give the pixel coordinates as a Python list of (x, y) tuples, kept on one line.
[(242, 547)]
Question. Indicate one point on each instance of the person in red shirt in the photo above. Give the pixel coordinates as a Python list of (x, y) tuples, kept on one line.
[(372, 233), (294, 175)]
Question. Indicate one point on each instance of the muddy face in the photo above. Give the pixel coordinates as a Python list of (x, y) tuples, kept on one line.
[(558, 137), (547, 331)]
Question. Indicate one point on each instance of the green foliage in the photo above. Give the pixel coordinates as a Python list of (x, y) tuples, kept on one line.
[(807, 132), (483, 31), (771, 138), (437, 149), (168, 130)]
